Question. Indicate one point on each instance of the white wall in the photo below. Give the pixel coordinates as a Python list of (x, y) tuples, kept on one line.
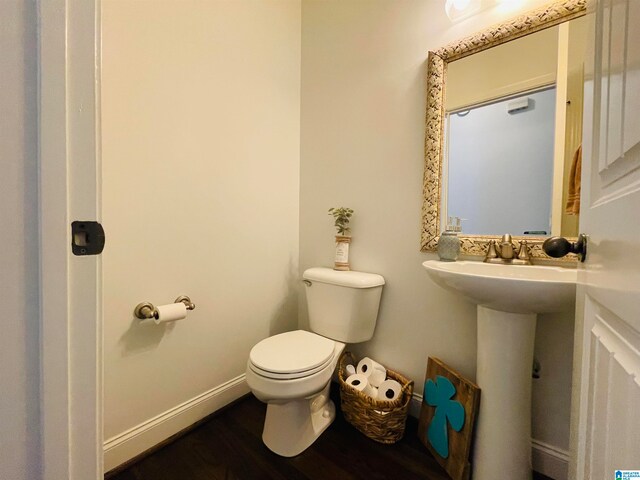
[(19, 343), (362, 146), (201, 115)]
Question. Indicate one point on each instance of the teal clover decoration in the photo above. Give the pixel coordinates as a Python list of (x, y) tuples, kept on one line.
[(438, 394)]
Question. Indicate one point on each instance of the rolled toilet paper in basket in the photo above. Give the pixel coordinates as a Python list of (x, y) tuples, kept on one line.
[(371, 369), (360, 383), (389, 390)]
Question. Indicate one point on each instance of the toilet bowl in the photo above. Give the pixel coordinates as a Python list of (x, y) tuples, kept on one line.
[(291, 372)]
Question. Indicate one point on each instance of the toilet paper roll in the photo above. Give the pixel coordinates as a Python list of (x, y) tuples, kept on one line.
[(360, 383), (389, 390), (351, 370), (375, 372), (171, 313)]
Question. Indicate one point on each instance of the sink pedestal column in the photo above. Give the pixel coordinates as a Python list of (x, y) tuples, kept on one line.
[(503, 432)]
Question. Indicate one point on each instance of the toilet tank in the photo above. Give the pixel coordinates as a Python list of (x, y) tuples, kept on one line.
[(343, 306)]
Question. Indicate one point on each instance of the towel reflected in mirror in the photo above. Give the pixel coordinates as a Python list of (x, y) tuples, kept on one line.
[(573, 198)]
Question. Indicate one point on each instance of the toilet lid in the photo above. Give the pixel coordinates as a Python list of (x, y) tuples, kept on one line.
[(292, 352)]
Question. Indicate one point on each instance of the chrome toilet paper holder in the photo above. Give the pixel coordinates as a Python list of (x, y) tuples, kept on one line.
[(146, 310)]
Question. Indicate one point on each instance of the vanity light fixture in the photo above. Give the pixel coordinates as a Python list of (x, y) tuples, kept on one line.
[(506, 6), (460, 9), (518, 105)]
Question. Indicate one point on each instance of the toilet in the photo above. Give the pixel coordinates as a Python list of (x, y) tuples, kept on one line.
[(291, 372)]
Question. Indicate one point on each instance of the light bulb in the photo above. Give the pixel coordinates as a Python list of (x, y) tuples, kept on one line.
[(461, 4), (509, 5), (459, 9)]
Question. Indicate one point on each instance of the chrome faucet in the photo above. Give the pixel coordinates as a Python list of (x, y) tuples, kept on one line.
[(505, 250)]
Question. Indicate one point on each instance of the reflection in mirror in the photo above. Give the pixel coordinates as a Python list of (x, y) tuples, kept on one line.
[(502, 153), (513, 123)]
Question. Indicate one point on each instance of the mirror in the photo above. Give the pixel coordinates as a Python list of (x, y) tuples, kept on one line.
[(504, 124)]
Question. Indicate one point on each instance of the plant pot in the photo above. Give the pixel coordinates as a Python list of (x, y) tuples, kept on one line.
[(342, 253)]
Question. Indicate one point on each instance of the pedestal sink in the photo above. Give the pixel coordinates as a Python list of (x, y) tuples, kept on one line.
[(509, 297)]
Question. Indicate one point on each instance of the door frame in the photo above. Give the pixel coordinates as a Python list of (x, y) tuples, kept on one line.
[(69, 160), (70, 287)]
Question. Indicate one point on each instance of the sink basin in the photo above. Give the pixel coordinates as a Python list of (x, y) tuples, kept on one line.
[(509, 297), (508, 288)]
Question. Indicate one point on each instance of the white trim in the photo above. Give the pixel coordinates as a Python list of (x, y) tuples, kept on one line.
[(85, 272), (557, 207), (545, 458), (70, 316), (54, 239), (549, 460), (132, 442)]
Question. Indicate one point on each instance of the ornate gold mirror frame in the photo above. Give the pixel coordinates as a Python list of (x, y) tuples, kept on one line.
[(536, 20)]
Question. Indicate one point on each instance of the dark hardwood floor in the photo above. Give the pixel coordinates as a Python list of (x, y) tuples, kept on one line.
[(229, 446)]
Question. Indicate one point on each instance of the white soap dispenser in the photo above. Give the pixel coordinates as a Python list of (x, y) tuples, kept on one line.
[(449, 243)]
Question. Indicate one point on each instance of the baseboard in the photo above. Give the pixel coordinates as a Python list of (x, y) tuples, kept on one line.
[(549, 460), (546, 459), (415, 405), (140, 438)]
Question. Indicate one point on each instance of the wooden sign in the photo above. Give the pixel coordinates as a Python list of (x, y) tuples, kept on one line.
[(449, 408)]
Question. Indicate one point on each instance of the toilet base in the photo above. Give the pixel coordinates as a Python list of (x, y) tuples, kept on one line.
[(291, 427)]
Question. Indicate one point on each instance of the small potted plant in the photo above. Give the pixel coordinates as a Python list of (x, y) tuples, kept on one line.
[(341, 217)]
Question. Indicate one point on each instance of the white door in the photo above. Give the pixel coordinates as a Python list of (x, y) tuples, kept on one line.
[(608, 331)]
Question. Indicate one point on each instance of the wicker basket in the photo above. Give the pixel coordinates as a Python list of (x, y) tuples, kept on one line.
[(382, 421)]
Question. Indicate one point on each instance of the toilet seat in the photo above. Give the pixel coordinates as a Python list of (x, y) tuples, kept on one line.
[(288, 376), (291, 355)]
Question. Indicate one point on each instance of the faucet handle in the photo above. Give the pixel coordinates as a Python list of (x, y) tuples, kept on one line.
[(523, 253), (491, 251)]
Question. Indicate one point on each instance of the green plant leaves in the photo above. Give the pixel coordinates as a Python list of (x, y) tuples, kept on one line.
[(341, 216)]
